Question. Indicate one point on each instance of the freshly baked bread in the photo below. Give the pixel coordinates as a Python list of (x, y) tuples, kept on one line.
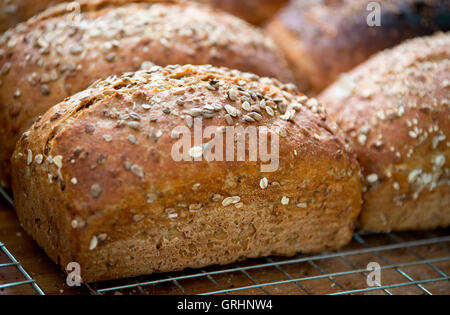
[(56, 55), (322, 39), (97, 180), (253, 11), (396, 110), (13, 12)]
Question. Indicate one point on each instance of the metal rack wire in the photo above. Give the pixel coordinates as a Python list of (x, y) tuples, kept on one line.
[(209, 281), (417, 263), (13, 263)]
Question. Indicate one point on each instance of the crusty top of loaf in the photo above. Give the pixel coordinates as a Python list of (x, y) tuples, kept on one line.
[(335, 35), (396, 109), (54, 55), (109, 147)]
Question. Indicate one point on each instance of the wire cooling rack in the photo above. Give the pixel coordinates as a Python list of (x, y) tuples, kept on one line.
[(419, 266), (23, 279), (409, 263)]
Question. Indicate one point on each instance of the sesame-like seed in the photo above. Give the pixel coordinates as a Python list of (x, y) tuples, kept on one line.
[(29, 157), (195, 186), (372, 178), (396, 186), (248, 118), (362, 139), (96, 190), (137, 170), (439, 160), (76, 49), (195, 207), (39, 158), (413, 175), (233, 95), (288, 115), (196, 112), (134, 125), (217, 197), (285, 200), (58, 161), (229, 120), (94, 243), (302, 205), (74, 181), (263, 183), (269, 111), (132, 139), (45, 89), (232, 111), (107, 138), (138, 217), (246, 106), (230, 201)]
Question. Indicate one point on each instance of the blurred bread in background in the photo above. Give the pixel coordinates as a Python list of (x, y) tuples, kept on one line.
[(395, 109), (323, 38), (13, 12)]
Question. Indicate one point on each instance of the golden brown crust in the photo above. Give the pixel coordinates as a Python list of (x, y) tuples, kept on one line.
[(96, 172), (333, 36), (253, 11), (395, 108), (12, 12), (49, 58)]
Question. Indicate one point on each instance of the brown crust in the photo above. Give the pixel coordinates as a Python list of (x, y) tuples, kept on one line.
[(253, 11), (125, 195), (334, 35), (12, 12), (45, 60), (395, 109)]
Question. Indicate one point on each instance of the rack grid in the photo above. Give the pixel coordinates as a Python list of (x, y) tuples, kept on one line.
[(409, 263), (13, 263), (416, 273)]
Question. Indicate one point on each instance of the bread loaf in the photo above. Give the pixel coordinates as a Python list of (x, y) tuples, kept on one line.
[(56, 55), (96, 180), (322, 39), (253, 11), (13, 12), (396, 110)]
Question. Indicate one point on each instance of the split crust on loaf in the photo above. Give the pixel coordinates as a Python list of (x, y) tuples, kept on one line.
[(120, 208)]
